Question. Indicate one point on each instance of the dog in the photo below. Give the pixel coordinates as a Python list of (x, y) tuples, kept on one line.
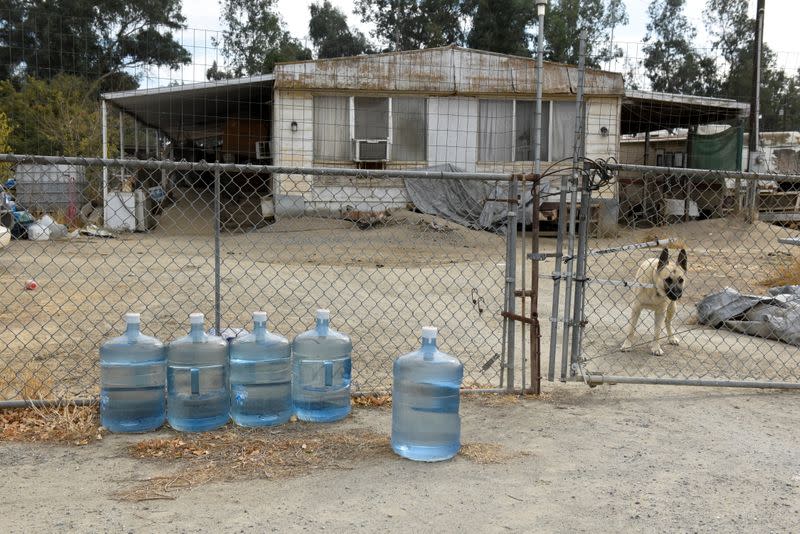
[(665, 280)]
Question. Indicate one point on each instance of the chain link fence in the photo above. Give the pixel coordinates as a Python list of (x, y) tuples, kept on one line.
[(738, 244), (175, 238)]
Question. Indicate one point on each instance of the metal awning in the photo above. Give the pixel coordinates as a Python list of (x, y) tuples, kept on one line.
[(647, 111), (197, 110)]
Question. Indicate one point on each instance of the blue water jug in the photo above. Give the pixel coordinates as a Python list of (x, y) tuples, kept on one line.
[(321, 372), (425, 401), (261, 376), (133, 375), (197, 380)]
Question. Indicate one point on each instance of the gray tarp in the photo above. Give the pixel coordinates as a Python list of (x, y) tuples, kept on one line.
[(773, 317), (465, 202)]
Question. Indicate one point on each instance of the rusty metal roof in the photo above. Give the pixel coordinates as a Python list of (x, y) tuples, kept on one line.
[(644, 111), (447, 70)]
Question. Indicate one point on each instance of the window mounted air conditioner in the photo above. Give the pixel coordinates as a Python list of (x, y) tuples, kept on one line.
[(262, 149), (370, 150)]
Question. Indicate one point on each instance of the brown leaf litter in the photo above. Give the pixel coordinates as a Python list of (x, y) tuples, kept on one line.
[(66, 424)]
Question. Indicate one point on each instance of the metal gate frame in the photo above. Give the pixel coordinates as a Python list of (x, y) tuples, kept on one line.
[(574, 360)]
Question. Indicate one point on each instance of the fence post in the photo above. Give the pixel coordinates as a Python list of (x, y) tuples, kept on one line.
[(511, 282), (580, 271), (535, 327), (217, 256), (572, 185)]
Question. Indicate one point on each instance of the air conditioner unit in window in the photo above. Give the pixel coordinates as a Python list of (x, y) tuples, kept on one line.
[(262, 149), (370, 149)]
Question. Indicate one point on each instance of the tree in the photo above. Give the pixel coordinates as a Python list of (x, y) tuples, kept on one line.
[(56, 116), (672, 64), (502, 26), (331, 35), (104, 40), (565, 20), (5, 132), (255, 38), (733, 34), (414, 24)]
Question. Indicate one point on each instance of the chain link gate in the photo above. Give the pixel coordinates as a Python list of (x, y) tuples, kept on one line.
[(732, 250), (199, 241)]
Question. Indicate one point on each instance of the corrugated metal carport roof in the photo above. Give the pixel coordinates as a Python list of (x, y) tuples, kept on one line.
[(199, 109), (644, 111)]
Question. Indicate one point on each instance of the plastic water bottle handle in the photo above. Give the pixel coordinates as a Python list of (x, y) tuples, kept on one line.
[(195, 374), (328, 372)]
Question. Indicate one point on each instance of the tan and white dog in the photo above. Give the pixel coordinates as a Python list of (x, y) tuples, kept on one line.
[(664, 280)]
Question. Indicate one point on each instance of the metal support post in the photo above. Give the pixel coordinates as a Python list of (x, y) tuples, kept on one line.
[(511, 283), (567, 183), (535, 330), (580, 272), (217, 253), (753, 145)]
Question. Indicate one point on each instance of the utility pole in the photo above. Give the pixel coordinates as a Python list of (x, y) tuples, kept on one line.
[(753, 145)]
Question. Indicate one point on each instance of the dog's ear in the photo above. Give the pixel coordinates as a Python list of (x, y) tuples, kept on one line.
[(663, 259), (683, 260)]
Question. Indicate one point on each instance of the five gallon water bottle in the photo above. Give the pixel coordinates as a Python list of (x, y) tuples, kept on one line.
[(197, 380), (425, 400), (261, 376), (321, 372), (133, 372)]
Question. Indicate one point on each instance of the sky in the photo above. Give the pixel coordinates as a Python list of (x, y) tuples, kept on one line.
[(203, 21)]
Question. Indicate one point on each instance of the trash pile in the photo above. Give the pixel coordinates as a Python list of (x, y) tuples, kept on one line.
[(776, 316), (18, 223)]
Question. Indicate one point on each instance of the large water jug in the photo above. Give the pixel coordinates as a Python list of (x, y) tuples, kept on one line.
[(261, 376), (133, 375), (321, 372), (425, 401), (197, 380)]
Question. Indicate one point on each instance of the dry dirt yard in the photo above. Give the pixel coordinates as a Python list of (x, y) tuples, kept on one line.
[(609, 459)]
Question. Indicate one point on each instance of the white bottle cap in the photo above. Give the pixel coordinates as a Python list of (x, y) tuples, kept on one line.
[(323, 315), (196, 318), (259, 316), (429, 332), (132, 318)]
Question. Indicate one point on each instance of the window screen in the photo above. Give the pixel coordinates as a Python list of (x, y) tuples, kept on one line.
[(332, 128), (495, 127), (371, 117), (563, 137), (409, 128), (526, 112)]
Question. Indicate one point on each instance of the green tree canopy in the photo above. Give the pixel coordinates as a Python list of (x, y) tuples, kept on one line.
[(564, 21), (104, 40), (672, 63), (331, 35), (414, 24), (255, 38), (502, 26)]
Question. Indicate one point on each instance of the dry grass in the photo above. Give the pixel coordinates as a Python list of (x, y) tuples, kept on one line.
[(239, 454), (372, 401), (26, 384), (486, 453), (787, 274), (290, 451), (66, 424)]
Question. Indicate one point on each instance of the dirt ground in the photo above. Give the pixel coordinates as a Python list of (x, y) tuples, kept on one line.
[(609, 459)]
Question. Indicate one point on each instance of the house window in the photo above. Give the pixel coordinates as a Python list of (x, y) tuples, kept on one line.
[(371, 118), (331, 128), (409, 129), (506, 130), (339, 119)]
